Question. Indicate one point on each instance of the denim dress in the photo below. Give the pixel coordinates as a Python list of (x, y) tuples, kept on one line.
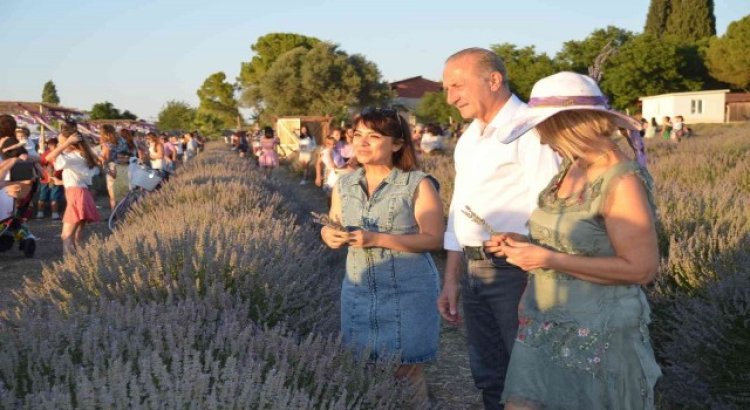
[(388, 297)]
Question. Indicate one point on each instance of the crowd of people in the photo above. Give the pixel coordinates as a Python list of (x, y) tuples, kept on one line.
[(324, 162), (549, 237), (62, 172), (669, 129)]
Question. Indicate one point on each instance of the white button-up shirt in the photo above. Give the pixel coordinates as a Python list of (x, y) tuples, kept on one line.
[(500, 182)]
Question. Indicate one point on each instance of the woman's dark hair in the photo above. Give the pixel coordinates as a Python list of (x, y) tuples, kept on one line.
[(653, 121), (128, 137), (268, 132), (389, 122), (434, 129), (7, 126), (70, 127)]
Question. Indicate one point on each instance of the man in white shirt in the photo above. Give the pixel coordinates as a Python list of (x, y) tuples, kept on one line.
[(500, 183)]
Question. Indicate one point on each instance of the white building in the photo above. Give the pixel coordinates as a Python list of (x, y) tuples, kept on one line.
[(695, 106)]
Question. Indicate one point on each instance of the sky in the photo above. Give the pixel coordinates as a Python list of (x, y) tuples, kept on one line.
[(139, 54)]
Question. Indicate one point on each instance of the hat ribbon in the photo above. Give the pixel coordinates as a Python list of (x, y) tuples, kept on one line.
[(568, 101)]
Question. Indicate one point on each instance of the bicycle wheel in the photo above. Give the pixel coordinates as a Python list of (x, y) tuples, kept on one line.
[(122, 207)]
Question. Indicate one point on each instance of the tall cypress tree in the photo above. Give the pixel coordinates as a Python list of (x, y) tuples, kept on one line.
[(656, 20), (49, 93), (691, 20)]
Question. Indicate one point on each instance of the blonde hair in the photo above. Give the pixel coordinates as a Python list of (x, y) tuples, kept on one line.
[(574, 133)]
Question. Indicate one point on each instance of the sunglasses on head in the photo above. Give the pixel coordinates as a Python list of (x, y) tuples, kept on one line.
[(385, 112)]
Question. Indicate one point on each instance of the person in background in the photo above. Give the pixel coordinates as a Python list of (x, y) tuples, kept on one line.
[(347, 147), (500, 183), (666, 128), (306, 148), (678, 129), (24, 137), (269, 158), (416, 135), (78, 164), (51, 189), (432, 141), (108, 159), (325, 168), (155, 151), (650, 127), (126, 147), (394, 215), (583, 340), (178, 148)]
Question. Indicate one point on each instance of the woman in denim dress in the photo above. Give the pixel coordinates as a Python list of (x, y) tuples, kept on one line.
[(392, 216)]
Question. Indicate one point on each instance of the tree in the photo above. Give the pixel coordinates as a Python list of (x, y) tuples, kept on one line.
[(268, 49), (524, 66), (686, 20), (691, 20), (107, 111), (728, 56), (320, 80), (49, 93), (434, 108), (656, 19), (176, 115), (217, 98), (647, 65), (208, 124), (579, 55)]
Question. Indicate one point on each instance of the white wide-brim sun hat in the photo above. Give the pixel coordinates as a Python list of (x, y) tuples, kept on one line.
[(559, 92)]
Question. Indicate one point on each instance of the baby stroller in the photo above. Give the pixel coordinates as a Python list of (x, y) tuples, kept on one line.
[(13, 228), (141, 180)]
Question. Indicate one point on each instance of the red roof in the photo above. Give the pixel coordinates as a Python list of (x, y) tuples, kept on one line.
[(415, 87), (738, 97)]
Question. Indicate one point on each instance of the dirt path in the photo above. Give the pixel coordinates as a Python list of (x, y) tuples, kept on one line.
[(449, 378)]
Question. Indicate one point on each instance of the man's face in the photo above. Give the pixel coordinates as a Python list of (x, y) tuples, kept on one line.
[(467, 89)]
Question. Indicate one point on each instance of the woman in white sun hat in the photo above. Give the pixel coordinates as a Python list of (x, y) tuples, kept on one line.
[(583, 339)]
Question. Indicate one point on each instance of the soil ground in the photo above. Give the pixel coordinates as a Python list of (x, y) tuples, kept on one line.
[(449, 378)]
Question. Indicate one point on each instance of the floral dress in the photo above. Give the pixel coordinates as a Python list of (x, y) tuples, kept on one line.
[(581, 345)]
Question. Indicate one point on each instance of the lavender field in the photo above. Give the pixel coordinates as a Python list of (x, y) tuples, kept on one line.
[(214, 295), (211, 297)]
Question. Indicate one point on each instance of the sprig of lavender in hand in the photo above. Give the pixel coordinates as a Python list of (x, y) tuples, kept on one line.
[(478, 220), (325, 220)]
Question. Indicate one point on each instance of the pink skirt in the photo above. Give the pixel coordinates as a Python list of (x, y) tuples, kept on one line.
[(269, 158), (80, 206)]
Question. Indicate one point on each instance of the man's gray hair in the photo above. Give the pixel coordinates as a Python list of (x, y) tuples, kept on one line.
[(486, 61)]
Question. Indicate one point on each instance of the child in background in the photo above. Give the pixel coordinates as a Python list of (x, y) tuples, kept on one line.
[(325, 168), (269, 158), (51, 184), (78, 164), (678, 128)]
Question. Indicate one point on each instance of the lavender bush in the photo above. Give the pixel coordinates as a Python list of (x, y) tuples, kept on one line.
[(210, 296)]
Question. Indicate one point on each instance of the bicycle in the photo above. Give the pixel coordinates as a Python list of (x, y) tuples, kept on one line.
[(142, 180)]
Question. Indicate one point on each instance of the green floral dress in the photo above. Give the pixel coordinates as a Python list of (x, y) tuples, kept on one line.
[(581, 345)]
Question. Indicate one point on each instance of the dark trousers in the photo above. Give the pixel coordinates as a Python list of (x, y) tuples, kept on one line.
[(490, 293)]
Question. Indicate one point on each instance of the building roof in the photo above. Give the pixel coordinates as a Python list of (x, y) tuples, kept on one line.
[(738, 97), (684, 93), (415, 87), (17, 107)]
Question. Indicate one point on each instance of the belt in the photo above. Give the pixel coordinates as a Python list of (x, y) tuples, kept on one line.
[(474, 253)]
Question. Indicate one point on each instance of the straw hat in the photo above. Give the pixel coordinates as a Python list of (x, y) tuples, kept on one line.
[(562, 92)]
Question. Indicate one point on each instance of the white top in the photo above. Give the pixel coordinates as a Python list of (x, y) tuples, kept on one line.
[(431, 142), (75, 171), (500, 182), (306, 144), (677, 125)]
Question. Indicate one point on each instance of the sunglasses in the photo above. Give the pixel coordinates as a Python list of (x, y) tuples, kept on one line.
[(385, 112)]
